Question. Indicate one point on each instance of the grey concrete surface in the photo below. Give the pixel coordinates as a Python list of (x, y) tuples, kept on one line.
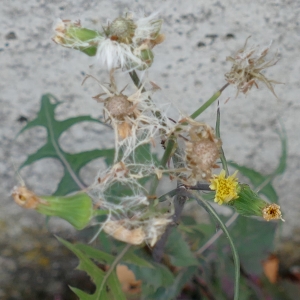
[(189, 66)]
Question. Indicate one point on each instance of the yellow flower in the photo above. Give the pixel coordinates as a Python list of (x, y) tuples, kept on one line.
[(226, 188)]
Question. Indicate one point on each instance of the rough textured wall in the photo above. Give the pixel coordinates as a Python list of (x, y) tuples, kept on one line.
[(189, 66)]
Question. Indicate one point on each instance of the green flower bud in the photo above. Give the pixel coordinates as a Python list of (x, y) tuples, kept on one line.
[(72, 35), (76, 209), (250, 204), (147, 57)]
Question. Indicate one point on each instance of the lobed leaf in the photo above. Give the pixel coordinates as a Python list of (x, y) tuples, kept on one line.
[(112, 289), (72, 163)]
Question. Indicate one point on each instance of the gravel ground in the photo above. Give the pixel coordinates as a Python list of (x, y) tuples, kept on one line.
[(189, 66)]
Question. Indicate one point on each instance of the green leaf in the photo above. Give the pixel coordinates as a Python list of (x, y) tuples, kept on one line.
[(283, 158), (152, 278), (258, 179), (179, 251), (112, 288), (235, 255), (171, 292), (72, 163), (105, 258), (254, 240), (134, 259)]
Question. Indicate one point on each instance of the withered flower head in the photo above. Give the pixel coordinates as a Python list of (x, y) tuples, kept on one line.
[(247, 66), (119, 109), (202, 151), (136, 232), (272, 212), (129, 42)]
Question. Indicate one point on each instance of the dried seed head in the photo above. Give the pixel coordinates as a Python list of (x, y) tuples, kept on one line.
[(272, 212), (118, 106), (122, 30), (247, 66), (129, 42), (201, 151), (201, 157)]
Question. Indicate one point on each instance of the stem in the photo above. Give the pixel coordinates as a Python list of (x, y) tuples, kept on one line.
[(113, 265), (218, 135), (136, 80), (179, 202), (167, 154), (236, 260), (216, 235), (208, 102), (60, 154)]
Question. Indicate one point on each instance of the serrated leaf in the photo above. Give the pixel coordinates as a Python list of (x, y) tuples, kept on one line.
[(105, 258), (72, 163), (111, 290)]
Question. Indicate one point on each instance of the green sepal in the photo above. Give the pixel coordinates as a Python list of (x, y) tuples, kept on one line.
[(75, 35), (249, 203), (76, 209)]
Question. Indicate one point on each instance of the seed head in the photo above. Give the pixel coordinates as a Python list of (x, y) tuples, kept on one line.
[(118, 106), (122, 30), (247, 66), (129, 42), (202, 151)]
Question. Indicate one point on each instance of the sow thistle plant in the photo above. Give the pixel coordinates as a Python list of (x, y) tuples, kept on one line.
[(123, 202)]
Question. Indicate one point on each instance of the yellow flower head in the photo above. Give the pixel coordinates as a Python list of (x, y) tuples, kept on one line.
[(226, 188)]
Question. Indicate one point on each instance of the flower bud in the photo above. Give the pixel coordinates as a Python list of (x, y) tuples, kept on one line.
[(77, 209), (250, 204), (72, 35), (240, 196)]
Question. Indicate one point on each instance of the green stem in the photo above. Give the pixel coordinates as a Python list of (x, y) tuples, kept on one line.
[(138, 84), (113, 265), (236, 260), (218, 135), (167, 154), (214, 97), (136, 80)]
